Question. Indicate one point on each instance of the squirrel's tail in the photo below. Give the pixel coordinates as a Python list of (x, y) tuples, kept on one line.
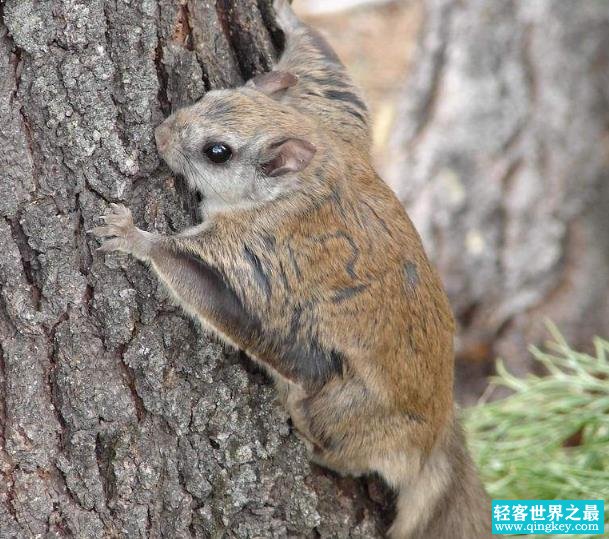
[(446, 500), (285, 15)]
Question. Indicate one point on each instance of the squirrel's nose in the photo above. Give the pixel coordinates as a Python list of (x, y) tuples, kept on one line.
[(161, 134)]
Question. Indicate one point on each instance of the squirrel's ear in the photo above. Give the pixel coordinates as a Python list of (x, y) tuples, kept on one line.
[(273, 82), (287, 155)]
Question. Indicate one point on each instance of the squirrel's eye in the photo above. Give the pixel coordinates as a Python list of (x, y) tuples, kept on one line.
[(218, 152)]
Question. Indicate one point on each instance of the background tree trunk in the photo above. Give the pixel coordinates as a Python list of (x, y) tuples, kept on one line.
[(118, 416), (501, 154)]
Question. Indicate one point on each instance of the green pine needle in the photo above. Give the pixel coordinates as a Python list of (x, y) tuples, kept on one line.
[(550, 439)]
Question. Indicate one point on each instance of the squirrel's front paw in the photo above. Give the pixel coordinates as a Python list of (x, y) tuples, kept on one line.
[(120, 234)]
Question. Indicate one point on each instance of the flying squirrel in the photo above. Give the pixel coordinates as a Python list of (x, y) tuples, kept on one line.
[(307, 261)]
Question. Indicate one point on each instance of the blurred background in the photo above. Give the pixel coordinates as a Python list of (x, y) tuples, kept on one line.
[(491, 123)]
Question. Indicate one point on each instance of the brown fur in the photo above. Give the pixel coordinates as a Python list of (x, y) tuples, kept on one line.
[(319, 275)]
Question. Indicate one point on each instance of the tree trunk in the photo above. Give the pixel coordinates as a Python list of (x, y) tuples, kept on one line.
[(501, 154), (119, 417)]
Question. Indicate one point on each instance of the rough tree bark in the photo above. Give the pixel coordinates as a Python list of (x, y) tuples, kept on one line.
[(118, 416), (501, 155)]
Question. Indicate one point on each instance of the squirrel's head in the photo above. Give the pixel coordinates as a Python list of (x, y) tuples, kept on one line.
[(240, 147)]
